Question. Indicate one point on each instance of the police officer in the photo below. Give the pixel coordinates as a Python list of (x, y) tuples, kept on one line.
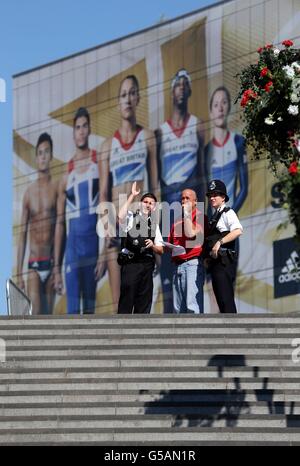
[(141, 241), (224, 228)]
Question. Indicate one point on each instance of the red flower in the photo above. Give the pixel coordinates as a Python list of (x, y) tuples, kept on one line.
[(268, 86), (248, 95), (291, 134), (293, 169), (261, 49), (264, 72), (244, 101), (287, 43)]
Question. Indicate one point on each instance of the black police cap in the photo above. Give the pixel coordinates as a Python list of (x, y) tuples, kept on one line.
[(217, 186)]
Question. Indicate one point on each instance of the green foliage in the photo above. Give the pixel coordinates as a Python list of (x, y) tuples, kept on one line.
[(290, 187), (270, 97)]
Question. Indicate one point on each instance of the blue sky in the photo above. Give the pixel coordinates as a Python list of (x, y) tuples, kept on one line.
[(34, 32)]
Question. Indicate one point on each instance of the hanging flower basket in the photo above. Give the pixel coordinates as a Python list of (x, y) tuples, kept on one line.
[(270, 98), (290, 187)]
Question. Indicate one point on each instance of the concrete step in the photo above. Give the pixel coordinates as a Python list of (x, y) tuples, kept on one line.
[(24, 333), (196, 383), (144, 339), (182, 408), (222, 362), (168, 319), (172, 351), (152, 398), (170, 437), (222, 420), (147, 373)]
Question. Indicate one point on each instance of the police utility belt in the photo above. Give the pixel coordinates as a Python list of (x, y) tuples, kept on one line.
[(214, 236), (134, 248)]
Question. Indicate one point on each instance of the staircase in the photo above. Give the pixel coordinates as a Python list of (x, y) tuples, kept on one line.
[(150, 380)]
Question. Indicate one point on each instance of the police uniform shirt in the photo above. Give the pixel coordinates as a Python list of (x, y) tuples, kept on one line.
[(127, 225), (228, 221)]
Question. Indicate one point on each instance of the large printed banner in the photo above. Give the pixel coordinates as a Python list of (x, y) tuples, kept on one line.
[(158, 108)]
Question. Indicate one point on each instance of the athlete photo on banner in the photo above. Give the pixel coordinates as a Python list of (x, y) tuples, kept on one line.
[(225, 158), (78, 197), (180, 142), (128, 156), (37, 226)]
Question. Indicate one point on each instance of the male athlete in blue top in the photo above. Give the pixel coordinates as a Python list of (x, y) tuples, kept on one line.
[(78, 198)]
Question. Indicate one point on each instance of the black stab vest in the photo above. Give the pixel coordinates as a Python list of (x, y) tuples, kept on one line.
[(215, 235), (135, 240)]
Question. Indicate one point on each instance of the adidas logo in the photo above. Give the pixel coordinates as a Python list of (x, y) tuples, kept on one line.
[(291, 271)]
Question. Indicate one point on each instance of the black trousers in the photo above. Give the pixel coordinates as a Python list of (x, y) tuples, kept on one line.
[(223, 273), (136, 288), (166, 274)]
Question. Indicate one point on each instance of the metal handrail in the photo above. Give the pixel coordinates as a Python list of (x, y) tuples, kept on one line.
[(9, 283)]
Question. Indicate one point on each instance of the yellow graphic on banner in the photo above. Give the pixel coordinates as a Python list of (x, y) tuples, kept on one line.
[(102, 103), (187, 50)]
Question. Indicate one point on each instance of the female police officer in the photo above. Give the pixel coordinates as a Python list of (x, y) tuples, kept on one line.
[(224, 228)]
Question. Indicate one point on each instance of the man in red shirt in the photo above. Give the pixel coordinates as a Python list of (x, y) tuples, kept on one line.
[(188, 232)]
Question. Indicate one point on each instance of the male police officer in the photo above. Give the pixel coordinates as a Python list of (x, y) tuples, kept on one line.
[(224, 228), (143, 239)]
